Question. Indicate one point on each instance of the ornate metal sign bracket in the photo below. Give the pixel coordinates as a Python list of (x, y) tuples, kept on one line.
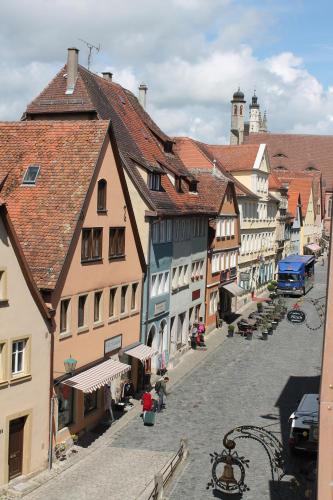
[(229, 458)]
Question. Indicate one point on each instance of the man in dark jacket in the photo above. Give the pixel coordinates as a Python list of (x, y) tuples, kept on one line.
[(160, 389)]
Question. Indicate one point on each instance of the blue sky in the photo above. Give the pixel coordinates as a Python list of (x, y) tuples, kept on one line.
[(192, 54), (303, 27)]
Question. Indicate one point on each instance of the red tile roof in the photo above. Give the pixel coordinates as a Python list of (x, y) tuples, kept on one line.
[(235, 158), (198, 157), (307, 154), (293, 199), (46, 214), (6, 219), (273, 182), (304, 186), (139, 139)]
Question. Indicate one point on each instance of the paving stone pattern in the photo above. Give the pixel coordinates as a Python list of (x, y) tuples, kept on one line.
[(240, 383)]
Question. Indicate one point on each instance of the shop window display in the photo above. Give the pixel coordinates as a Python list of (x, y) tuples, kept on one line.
[(65, 396), (90, 402)]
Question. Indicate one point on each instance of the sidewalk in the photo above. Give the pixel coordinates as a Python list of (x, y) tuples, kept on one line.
[(143, 464)]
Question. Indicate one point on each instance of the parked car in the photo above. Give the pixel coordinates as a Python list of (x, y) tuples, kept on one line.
[(304, 424)]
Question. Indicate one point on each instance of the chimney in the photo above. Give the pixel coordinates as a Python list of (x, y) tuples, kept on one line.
[(72, 69), (107, 75), (142, 95)]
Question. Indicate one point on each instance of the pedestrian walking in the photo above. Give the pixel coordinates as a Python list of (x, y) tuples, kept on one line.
[(160, 389), (147, 403)]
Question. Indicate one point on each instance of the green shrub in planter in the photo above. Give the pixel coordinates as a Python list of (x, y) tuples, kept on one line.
[(231, 329), (260, 307)]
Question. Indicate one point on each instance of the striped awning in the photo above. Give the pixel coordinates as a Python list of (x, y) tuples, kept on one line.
[(92, 379), (141, 352), (233, 289)]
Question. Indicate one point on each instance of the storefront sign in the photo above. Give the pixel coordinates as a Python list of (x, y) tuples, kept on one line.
[(159, 308), (196, 294), (112, 344), (244, 276), (296, 316)]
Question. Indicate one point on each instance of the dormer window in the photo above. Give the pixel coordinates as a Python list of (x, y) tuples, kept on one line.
[(101, 196), (193, 187), (311, 168), (168, 146), (280, 155), (280, 167), (154, 181), (31, 175), (178, 184)]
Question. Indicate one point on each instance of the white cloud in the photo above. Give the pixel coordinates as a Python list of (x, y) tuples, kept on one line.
[(192, 55)]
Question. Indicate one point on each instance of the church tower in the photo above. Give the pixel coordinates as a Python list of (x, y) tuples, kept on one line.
[(237, 118), (254, 115), (263, 124)]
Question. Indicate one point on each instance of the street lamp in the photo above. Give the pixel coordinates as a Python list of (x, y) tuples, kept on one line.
[(70, 364)]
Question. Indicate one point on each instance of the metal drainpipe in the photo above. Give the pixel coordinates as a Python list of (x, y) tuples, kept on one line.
[(147, 301), (148, 281), (50, 458)]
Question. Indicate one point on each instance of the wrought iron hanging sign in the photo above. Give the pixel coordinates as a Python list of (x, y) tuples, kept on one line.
[(228, 469), (296, 316)]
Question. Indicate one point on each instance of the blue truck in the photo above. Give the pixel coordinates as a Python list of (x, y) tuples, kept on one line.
[(295, 274)]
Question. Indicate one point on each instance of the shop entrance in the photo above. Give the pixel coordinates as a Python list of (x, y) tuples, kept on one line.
[(15, 449), (225, 303)]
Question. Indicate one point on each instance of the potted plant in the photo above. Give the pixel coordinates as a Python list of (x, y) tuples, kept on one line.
[(231, 329), (60, 451), (249, 334), (272, 288), (264, 331), (260, 307), (269, 327)]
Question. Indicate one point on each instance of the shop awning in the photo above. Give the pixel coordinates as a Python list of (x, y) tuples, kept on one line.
[(98, 376), (141, 352), (313, 247), (233, 288)]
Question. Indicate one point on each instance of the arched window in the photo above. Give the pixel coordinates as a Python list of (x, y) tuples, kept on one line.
[(163, 336), (151, 336), (101, 196), (241, 110), (235, 109)]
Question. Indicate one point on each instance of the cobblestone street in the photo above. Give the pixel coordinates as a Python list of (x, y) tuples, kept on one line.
[(241, 382)]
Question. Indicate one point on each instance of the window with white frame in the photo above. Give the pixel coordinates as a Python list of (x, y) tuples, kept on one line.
[(3, 356), (175, 278), (65, 315), (161, 281), (232, 227), (98, 306), (186, 278), (181, 276), (215, 263), (18, 357), (218, 228), (154, 181), (3, 285), (160, 284), (201, 264), (213, 301)]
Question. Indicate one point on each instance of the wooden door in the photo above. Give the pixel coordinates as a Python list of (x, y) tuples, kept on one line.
[(15, 451)]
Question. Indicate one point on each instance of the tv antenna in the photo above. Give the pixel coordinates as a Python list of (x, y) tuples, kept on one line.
[(90, 48)]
